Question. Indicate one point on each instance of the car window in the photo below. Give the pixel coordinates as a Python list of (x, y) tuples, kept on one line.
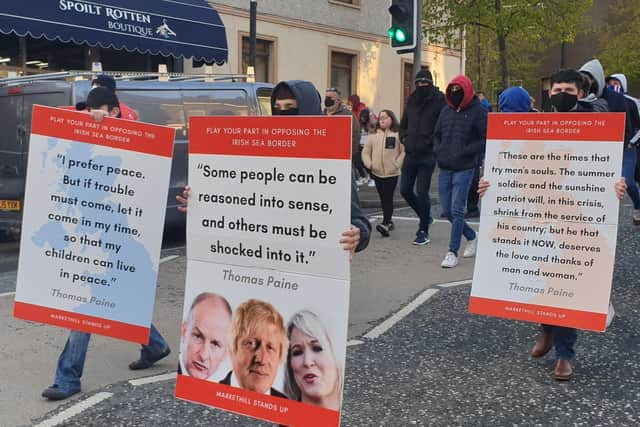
[(160, 107), (215, 102), (264, 100)]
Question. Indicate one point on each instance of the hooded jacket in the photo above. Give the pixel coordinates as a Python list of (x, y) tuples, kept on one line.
[(616, 102), (309, 105), (632, 103), (460, 134), (514, 100), (418, 123)]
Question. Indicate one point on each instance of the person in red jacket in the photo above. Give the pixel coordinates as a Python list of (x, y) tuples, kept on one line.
[(109, 82)]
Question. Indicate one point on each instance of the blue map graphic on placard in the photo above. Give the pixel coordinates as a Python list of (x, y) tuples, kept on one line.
[(132, 292)]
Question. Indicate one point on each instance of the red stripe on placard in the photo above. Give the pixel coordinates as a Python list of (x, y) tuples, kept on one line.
[(81, 322), (538, 313), (261, 406), (319, 137), (578, 127), (115, 133)]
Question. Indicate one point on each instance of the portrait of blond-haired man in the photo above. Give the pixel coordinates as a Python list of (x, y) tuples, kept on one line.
[(257, 347)]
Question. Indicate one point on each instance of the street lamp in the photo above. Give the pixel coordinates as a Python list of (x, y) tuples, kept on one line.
[(253, 12)]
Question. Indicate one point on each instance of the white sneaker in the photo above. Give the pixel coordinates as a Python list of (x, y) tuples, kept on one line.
[(471, 248), (372, 183), (610, 314), (360, 181), (450, 260)]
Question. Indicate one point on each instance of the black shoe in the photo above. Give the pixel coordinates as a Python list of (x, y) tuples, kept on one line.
[(144, 363), (383, 229), (390, 226), (56, 393), (472, 214)]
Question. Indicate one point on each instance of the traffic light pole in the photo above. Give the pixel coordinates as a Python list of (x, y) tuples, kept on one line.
[(417, 53)]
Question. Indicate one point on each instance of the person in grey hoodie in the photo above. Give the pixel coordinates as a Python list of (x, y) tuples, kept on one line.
[(618, 83), (617, 104)]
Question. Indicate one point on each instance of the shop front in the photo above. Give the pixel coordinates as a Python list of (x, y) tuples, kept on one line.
[(39, 36)]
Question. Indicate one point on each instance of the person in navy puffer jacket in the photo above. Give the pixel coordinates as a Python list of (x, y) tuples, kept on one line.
[(459, 141)]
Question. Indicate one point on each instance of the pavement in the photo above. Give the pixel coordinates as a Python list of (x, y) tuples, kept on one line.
[(437, 365)]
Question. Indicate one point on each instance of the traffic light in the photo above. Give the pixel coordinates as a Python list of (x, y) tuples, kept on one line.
[(404, 19)]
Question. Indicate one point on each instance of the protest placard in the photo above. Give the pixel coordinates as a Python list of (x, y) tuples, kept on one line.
[(549, 220), (270, 197), (94, 209)]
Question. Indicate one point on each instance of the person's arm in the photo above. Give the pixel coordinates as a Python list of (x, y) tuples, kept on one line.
[(404, 126), (477, 145), (367, 157), (183, 199), (401, 154), (356, 238), (621, 188)]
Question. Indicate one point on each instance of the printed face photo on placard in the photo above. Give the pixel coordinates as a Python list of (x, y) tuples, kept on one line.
[(278, 334)]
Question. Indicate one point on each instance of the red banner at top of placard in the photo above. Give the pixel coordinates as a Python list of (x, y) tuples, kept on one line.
[(320, 137), (604, 127), (115, 133)]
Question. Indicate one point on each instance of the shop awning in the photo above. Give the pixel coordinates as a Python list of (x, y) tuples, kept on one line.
[(181, 28)]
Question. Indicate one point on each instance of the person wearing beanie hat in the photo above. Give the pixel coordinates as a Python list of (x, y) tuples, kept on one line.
[(416, 133), (424, 76), (104, 80), (101, 102)]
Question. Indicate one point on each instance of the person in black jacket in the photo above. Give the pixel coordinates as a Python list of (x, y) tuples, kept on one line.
[(458, 141), (617, 104), (416, 133)]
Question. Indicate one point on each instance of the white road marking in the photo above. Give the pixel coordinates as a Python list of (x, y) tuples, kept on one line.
[(354, 342), (453, 284), (154, 379), (7, 294), (75, 410), (401, 314), (411, 218), (168, 258)]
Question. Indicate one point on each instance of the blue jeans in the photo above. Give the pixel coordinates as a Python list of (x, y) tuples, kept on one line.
[(454, 189), (564, 340), (71, 360), (418, 175), (629, 160)]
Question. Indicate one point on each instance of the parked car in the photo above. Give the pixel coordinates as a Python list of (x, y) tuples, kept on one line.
[(169, 103)]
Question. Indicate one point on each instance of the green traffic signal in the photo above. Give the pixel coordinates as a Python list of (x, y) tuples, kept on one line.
[(398, 35)]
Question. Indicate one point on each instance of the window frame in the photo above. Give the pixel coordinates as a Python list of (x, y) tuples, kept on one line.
[(355, 4), (355, 68), (273, 55)]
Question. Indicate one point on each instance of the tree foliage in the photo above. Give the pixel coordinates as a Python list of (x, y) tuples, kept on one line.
[(620, 42), (512, 33)]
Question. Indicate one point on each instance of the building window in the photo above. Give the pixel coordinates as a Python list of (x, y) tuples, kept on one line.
[(264, 66), (343, 73), (353, 3)]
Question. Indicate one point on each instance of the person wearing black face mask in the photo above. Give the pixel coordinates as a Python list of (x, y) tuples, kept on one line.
[(416, 133), (299, 97), (334, 107)]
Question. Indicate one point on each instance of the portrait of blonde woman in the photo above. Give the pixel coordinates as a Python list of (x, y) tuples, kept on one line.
[(313, 374)]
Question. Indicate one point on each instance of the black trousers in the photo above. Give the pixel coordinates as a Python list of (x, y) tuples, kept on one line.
[(474, 198), (386, 187), (357, 165)]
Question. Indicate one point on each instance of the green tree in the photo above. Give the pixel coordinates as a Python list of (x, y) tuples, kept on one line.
[(620, 41), (526, 24)]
